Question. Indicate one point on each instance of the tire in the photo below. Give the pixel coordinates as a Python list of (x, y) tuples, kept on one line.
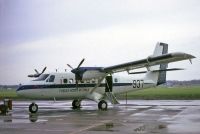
[(103, 105), (76, 104), (33, 108)]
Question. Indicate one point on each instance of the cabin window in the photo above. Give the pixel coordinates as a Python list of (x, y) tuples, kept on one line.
[(71, 81), (51, 78), (65, 80), (115, 80)]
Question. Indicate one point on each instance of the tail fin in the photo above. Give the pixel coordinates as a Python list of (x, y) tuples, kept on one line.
[(160, 76)]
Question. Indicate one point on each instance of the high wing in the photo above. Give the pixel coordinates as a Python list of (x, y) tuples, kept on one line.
[(149, 61)]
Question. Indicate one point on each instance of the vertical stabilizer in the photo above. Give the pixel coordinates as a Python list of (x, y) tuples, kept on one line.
[(160, 76)]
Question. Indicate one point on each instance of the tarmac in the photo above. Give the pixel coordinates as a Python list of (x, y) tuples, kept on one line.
[(135, 117)]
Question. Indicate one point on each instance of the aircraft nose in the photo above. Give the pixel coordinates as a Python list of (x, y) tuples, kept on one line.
[(19, 91)]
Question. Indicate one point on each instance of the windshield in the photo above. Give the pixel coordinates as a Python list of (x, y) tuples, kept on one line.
[(51, 78), (42, 77)]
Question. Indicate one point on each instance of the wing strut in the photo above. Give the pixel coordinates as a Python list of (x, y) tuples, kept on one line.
[(190, 61)]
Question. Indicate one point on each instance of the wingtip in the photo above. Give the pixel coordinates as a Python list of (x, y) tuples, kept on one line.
[(185, 55), (190, 56)]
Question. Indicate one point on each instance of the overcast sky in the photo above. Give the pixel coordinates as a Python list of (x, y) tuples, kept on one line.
[(52, 33)]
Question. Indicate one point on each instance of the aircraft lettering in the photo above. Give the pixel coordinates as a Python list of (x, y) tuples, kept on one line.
[(84, 90), (138, 83), (74, 90)]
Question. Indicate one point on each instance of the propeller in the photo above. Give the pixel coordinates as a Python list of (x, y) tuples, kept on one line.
[(77, 71), (37, 73)]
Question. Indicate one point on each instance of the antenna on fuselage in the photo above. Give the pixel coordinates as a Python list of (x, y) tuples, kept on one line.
[(57, 70)]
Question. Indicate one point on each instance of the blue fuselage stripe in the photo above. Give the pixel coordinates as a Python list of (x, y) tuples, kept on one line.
[(27, 87)]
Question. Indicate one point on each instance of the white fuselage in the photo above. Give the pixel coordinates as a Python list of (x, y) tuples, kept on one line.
[(63, 86)]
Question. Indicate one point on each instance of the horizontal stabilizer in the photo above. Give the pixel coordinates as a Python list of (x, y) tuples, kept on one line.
[(160, 70)]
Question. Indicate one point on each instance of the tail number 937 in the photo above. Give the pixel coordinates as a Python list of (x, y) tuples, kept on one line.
[(138, 83)]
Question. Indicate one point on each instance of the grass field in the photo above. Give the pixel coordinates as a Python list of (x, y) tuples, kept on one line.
[(8, 94), (175, 93)]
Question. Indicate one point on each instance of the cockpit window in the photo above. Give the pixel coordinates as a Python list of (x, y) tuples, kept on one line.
[(42, 77), (51, 78)]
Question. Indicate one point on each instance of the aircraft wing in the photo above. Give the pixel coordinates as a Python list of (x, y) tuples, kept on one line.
[(149, 61)]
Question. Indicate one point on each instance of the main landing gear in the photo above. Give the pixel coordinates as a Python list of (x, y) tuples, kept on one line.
[(103, 105), (76, 104), (33, 108)]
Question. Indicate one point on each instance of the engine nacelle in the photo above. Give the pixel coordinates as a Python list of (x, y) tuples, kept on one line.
[(92, 74)]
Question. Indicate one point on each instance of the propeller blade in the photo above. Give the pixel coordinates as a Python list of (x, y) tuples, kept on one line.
[(33, 75), (30, 75), (44, 70), (70, 66), (36, 71), (80, 63)]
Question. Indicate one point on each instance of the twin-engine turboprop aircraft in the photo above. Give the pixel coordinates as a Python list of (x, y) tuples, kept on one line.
[(100, 84)]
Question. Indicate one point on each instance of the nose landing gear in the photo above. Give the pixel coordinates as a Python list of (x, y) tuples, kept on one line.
[(33, 108)]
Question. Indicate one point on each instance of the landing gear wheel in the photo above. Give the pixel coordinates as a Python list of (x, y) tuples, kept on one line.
[(76, 104), (102, 105), (33, 108)]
